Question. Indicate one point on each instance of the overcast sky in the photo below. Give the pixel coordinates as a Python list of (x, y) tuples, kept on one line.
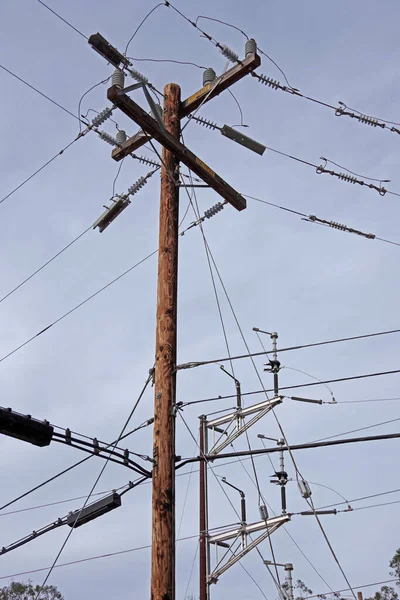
[(308, 283)]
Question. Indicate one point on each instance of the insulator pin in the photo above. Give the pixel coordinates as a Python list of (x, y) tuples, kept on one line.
[(229, 54), (121, 137), (118, 78), (108, 138), (268, 81), (101, 117), (250, 47), (209, 75), (213, 210)]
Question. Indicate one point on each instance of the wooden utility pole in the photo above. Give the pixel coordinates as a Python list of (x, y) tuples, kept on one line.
[(174, 152), (203, 510), (163, 501)]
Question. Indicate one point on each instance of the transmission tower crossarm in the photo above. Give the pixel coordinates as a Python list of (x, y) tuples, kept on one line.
[(205, 94), (193, 162)]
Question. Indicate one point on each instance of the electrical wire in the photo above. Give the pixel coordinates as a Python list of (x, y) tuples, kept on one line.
[(66, 314), (357, 587), (90, 558), (114, 444), (362, 498), (103, 81), (290, 348), (39, 170), (312, 377), (222, 23), (242, 124), (29, 508), (191, 570), (62, 19), (80, 462), (217, 480), (302, 385), (298, 474), (375, 505), (168, 60), (142, 22), (45, 264), (329, 437), (185, 502), (117, 175), (209, 255), (306, 217), (38, 91)]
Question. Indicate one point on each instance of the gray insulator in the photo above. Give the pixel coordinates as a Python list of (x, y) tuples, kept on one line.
[(229, 54), (121, 136), (213, 210), (337, 226), (250, 47), (138, 76), (206, 122), (209, 75), (263, 512), (107, 138), (268, 81), (369, 120), (348, 178), (118, 78), (101, 117), (148, 161), (137, 186)]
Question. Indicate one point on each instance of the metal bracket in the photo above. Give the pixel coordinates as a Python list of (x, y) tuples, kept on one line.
[(150, 101), (270, 525), (260, 409)]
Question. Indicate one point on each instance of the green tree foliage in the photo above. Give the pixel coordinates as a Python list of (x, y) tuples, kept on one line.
[(26, 591), (395, 565)]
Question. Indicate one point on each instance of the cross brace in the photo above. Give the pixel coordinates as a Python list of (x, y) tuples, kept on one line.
[(188, 158), (209, 91)]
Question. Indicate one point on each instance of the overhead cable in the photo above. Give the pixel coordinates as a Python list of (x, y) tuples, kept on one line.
[(62, 19), (291, 387), (190, 365)]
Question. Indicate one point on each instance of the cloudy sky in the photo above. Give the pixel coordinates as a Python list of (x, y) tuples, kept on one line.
[(308, 283)]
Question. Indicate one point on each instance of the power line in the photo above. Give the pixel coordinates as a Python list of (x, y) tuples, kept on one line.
[(306, 446), (38, 91), (279, 425), (80, 462), (359, 429), (29, 508), (190, 365), (45, 264), (356, 587), (62, 19), (140, 25), (114, 444), (39, 170), (292, 387), (362, 498), (66, 314), (318, 221), (274, 84), (90, 558)]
